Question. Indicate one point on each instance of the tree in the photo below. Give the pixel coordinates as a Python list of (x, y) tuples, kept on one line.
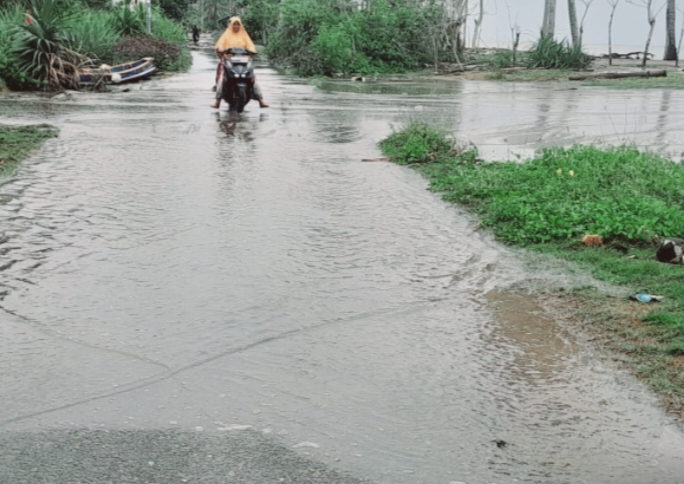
[(671, 37), (587, 5), (549, 23), (679, 45), (174, 9), (515, 31), (613, 4), (574, 30), (478, 23), (652, 12)]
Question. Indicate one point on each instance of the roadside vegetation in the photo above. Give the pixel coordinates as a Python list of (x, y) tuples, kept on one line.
[(548, 203), (44, 49), (17, 143)]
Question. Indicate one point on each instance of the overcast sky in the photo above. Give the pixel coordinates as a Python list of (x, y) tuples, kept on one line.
[(630, 27)]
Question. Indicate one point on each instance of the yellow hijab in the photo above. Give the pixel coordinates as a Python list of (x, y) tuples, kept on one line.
[(239, 39)]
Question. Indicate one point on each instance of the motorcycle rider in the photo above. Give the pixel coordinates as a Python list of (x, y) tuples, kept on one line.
[(235, 36)]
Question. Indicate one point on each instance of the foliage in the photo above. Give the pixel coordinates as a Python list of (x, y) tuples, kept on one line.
[(17, 142), (504, 59), (129, 21), (67, 34), (562, 194), (261, 16), (97, 4), (43, 48), (531, 75), (328, 36), (94, 33), (167, 55), (549, 53), (417, 143), (166, 29), (173, 9), (10, 19)]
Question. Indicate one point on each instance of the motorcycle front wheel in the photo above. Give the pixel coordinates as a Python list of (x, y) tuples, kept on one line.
[(240, 99)]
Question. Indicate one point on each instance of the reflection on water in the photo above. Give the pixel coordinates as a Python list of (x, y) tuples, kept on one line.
[(167, 266)]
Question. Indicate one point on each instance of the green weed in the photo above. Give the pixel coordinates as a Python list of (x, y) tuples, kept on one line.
[(17, 143), (549, 53)]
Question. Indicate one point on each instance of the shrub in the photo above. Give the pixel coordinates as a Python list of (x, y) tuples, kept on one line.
[(417, 143), (129, 21), (384, 38), (43, 48), (10, 20), (548, 53), (167, 56), (93, 33), (167, 29)]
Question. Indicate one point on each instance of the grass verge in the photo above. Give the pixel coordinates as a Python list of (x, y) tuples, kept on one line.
[(530, 75), (548, 203), (673, 81), (17, 143)]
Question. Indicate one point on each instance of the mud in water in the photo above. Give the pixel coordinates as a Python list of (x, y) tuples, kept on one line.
[(170, 270)]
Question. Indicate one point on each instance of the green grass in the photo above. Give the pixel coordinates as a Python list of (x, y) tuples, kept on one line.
[(673, 81), (548, 203), (18, 142), (549, 53), (531, 75)]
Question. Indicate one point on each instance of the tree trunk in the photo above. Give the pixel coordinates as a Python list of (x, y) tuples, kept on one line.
[(574, 31), (478, 23), (619, 75), (671, 38), (610, 34), (651, 21), (679, 45), (549, 25)]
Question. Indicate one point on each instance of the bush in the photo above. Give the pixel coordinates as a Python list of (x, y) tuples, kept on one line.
[(417, 143), (66, 35), (385, 38), (167, 56), (173, 9), (93, 33), (129, 21), (564, 194), (548, 53), (167, 29), (10, 20), (43, 49)]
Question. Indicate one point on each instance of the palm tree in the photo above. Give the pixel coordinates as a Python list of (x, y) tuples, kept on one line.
[(574, 30), (549, 25)]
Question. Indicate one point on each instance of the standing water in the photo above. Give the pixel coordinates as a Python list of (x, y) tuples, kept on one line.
[(209, 293)]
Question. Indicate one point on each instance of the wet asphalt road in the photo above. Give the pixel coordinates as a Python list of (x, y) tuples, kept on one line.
[(187, 298)]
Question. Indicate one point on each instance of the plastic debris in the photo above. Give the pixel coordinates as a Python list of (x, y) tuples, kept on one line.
[(646, 298)]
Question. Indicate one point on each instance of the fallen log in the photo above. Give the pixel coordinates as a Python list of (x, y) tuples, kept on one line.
[(619, 75)]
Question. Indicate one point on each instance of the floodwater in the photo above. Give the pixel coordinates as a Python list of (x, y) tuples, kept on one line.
[(184, 283)]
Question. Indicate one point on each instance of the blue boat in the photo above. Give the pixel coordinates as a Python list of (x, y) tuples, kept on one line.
[(130, 71)]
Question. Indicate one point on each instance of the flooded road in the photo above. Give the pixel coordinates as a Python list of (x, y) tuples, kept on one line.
[(251, 303)]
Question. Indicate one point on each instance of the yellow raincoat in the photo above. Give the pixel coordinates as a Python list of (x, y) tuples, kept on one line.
[(239, 39)]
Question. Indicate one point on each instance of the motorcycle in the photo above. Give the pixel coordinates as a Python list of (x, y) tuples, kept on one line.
[(238, 78)]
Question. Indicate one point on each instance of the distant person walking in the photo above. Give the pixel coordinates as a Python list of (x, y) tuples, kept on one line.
[(195, 34), (235, 37)]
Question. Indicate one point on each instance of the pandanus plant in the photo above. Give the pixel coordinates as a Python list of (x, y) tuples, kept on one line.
[(44, 46)]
